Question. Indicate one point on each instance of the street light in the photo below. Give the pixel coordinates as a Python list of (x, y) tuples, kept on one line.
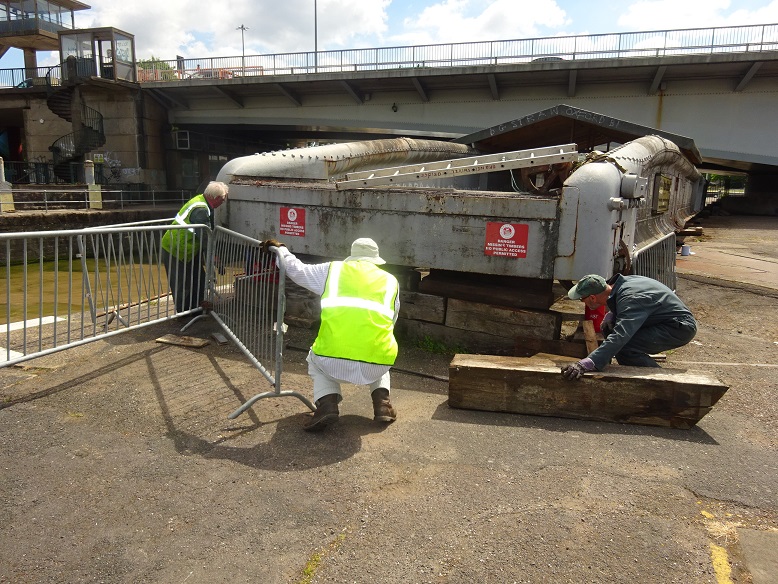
[(315, 37), (242, 30)]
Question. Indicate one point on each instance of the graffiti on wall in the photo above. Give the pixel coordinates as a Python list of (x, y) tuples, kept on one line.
[(112, 167)]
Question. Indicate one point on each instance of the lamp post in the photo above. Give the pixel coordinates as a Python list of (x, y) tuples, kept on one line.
[(242, 30), (315, 37)]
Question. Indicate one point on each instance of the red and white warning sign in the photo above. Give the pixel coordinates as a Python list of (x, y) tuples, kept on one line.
[(506, 239), (292, 221)]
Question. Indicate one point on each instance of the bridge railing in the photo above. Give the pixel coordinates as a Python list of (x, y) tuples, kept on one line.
[(662, 43), (657, 43), (72, 199)]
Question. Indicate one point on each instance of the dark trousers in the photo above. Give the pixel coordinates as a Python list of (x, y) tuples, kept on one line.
[(186, 280), (655, 339)]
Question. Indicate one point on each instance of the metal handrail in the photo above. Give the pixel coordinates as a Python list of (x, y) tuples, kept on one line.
[(755, 38), (646, 44), (45, 200)]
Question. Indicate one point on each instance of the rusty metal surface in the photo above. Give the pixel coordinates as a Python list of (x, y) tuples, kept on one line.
[(437, 228)]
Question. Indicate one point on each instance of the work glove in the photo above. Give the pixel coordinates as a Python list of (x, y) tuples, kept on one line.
[(606, 326), (576, 370), (271, 243)]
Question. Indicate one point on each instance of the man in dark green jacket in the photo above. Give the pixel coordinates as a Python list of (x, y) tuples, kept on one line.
[(645, 317), (182, 248)]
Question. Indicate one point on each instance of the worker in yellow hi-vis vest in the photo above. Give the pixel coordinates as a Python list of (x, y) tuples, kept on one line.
[(182, 248), (359, 307)]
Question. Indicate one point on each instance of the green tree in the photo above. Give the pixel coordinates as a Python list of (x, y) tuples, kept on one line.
[(154, 69)]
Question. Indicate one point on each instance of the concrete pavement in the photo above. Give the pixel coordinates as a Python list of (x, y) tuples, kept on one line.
[(738, 249), (119, 465)]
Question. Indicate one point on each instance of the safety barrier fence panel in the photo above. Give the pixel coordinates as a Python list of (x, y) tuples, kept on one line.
[(60, 289), (246, 297), (657, 261)]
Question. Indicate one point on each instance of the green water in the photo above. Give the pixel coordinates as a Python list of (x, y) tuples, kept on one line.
[(54, 287)]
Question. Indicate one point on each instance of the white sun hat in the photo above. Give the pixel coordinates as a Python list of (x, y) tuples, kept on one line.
[(365, 249)]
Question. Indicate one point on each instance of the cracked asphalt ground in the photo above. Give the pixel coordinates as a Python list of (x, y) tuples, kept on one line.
[(119, 465)]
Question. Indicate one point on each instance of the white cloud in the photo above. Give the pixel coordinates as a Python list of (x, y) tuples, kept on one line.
[(478, 20), (764, 15), (192, 28), (670, 14)]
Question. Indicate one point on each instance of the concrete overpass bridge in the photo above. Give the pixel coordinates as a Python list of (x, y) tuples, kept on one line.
[(716, 86)]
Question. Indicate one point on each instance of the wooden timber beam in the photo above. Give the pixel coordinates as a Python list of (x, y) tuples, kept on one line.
[(676, 398), (590, 336)]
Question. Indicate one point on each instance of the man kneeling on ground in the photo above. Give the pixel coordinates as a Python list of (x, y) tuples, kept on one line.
[(355, 344), (644, 317)]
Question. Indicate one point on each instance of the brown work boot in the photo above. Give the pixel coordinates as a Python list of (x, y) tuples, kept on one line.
[(382, 407), (326, 413)]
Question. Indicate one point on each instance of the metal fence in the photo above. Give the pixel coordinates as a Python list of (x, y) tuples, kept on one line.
[(248, 302), (662, 43), (65, 288), (49, 173), (657, 43), (48, 199), (62, 289), (657, 261)]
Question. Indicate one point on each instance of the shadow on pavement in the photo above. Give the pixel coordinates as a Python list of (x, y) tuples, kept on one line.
[(552, 424)]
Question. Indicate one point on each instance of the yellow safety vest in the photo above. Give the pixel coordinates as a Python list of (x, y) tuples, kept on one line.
[(182, 243), (357, 314)]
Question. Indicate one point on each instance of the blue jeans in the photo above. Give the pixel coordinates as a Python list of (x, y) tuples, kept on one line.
[(655, 339)]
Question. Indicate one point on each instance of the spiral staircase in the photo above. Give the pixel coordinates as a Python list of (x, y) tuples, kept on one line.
[(88, 132)]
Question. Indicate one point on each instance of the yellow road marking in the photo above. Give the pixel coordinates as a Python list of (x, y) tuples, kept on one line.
[(720, 564)]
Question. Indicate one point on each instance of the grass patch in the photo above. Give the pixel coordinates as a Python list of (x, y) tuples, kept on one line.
[(313, 564), (437, 347)]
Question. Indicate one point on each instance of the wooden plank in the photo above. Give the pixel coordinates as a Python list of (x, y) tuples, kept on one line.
[(676, 398), (503, 322), (182, 341), (589, 335), (505, 291), (527, 347), (453, 340), (427, 307)]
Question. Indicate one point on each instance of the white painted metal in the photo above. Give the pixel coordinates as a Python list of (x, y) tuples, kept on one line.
[(600, 218), (460, 166), (334, 160), (605, 206)]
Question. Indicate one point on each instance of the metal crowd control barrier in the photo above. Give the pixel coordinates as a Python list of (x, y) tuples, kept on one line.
[(62, 289), (246, 295), (657, 261)]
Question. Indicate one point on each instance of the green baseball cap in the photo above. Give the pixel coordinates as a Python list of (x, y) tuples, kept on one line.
[(586, 286)]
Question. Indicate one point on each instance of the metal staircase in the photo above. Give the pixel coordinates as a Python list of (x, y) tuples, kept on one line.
[(88, 132)]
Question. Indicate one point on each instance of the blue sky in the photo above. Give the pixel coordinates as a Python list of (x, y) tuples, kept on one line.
[(193, 28)]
